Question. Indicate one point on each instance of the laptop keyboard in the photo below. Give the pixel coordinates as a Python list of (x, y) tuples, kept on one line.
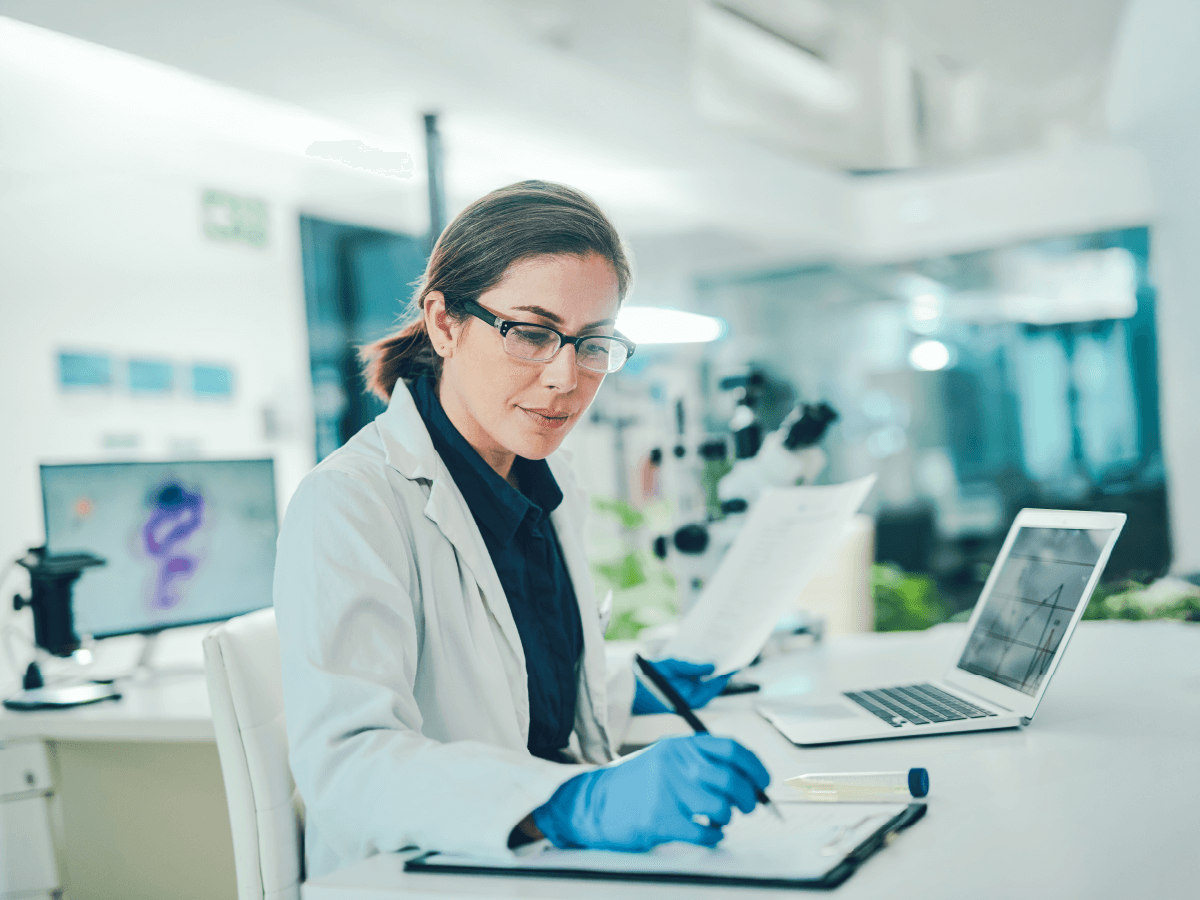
[(916, 704)]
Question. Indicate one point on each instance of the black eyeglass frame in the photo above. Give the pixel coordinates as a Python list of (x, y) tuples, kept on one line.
[(505, 325)]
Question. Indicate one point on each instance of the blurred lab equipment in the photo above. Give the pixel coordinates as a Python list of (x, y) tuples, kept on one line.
[(744, 424), (51, 579), (863, 787), (180, 543), (787, 456)]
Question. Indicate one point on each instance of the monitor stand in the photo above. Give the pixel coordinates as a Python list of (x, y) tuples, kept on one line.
[(142, 670), (145, 670)]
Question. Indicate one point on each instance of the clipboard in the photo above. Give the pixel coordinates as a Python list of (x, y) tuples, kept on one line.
[(689, 865)]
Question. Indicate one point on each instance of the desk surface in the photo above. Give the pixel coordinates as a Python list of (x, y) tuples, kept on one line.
[(169, 705), (1099, 797)]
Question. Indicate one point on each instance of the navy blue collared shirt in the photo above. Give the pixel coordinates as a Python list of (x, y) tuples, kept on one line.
[(520, 538)]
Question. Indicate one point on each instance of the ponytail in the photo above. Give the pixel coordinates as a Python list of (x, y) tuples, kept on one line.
[(407, 354)]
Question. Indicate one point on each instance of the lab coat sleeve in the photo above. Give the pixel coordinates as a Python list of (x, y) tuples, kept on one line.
[(621, 687), (349, 637)]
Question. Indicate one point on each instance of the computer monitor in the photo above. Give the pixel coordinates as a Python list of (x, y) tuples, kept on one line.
[(185, 542)]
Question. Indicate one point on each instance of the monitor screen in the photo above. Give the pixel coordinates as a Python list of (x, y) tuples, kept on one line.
[(1036, 592), (185, 542)]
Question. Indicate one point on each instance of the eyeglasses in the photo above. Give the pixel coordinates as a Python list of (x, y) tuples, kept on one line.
[(540, 343)]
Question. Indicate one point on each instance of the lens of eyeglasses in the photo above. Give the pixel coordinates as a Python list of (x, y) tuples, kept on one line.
[(601, 354), (597, 354), (531, 342)]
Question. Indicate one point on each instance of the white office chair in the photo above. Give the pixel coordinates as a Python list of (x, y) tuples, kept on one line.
[(245, 688)]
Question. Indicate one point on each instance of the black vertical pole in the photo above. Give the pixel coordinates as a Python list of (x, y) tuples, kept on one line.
[(437, 189)]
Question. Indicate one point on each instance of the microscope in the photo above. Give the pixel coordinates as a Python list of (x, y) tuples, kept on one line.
[(51, 579), (786, 456)]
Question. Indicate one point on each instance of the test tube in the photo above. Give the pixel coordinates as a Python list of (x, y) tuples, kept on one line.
[(863, 787)]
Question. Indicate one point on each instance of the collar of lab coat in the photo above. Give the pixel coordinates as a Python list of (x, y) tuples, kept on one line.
[(409, 450)]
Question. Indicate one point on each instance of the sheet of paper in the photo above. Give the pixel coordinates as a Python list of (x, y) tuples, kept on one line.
[(812, 839), (787, 535)]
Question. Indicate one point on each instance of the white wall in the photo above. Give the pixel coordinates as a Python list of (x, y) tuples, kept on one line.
[(103, 161), (1155, 105)]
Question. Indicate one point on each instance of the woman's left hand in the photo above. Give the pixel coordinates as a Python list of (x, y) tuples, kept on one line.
[(689, 679)]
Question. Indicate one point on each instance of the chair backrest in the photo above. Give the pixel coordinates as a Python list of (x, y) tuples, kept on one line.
[(245, 689)]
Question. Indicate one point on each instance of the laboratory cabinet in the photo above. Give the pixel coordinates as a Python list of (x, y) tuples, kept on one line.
[(27, 863)]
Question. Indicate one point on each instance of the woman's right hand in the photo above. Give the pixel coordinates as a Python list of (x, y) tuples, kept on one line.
[(652, 798)]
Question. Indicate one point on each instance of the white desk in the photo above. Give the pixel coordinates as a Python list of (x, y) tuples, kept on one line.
[(1098, 798), (138, 803)]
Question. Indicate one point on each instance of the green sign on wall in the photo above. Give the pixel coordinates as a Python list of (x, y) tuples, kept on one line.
[(230, 218)]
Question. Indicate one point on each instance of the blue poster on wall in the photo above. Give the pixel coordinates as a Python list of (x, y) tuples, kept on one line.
[(151, 376), (212, 380), (84, 370)]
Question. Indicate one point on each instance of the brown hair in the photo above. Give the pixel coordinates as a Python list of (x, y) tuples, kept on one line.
[(523, 220)]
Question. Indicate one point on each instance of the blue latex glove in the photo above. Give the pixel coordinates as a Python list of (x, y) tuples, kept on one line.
[(688, 679), (652, 798)]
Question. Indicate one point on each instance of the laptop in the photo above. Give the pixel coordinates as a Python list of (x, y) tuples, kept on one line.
[(1034, 596)]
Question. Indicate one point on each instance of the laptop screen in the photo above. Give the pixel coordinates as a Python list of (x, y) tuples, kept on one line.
[(1036, 592)]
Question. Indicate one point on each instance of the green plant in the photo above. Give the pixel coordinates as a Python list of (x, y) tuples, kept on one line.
[(905, 601), (1130, 600), (644, 591), (623, 512)]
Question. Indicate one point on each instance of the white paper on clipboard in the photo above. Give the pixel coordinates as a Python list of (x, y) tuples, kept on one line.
[(787, 535)]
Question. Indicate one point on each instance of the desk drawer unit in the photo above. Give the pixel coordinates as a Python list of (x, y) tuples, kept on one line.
[(27, 868), (23, 769)]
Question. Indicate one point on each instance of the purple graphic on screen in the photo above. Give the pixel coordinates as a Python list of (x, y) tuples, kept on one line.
[(176, 513)]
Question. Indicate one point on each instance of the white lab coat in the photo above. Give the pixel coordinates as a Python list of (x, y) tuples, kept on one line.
[(404, 677)]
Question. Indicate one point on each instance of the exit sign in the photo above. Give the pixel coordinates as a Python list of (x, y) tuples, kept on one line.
[(230, 218)]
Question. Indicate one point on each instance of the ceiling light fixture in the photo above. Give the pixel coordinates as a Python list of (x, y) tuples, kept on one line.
[(929, 356), (662, 325)]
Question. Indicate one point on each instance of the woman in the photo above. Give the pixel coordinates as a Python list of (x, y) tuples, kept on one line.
[(443, 656)]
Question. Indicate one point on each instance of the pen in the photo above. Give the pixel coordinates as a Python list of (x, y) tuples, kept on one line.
[(685, 711)]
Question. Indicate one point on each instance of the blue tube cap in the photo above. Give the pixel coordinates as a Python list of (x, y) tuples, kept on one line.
[(918, 782)]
